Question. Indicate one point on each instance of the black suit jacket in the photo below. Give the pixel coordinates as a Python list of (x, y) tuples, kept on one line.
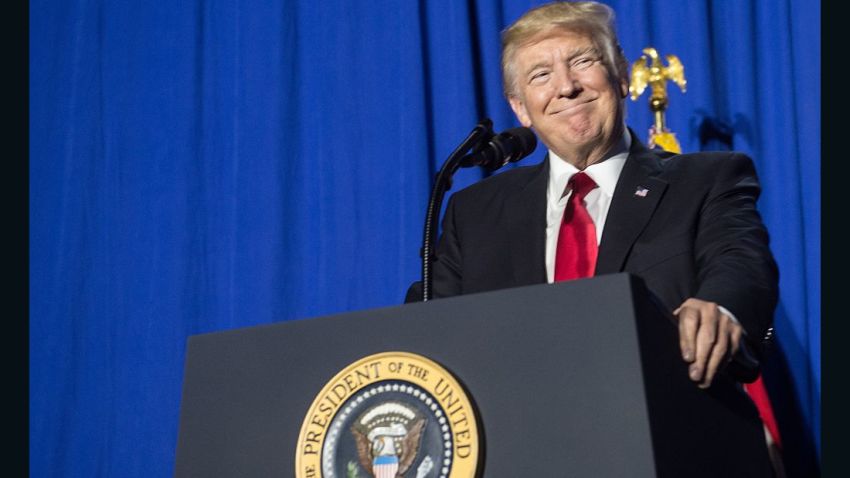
[(696, 233)]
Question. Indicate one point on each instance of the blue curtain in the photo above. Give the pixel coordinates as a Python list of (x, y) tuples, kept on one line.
[(203, 165)]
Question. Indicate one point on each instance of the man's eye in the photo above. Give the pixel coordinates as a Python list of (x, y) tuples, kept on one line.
[(582, 63), (540, 76)]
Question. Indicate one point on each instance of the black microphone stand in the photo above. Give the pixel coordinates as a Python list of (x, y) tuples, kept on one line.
[(483, 131)]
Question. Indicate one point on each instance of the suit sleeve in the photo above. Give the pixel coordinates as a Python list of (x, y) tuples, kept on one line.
[(735, 267)]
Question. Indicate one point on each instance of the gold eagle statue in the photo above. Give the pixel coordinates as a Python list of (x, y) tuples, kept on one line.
[(655, 74)]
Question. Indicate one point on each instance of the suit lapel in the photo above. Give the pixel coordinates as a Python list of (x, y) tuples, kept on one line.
[(526, 214), (635, 199)]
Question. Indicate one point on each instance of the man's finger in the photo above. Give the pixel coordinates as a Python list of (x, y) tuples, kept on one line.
[(705, 339), (688, 322), (719, 352), (735, 338)]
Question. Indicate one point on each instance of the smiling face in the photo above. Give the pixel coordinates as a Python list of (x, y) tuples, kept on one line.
[(564, 92)]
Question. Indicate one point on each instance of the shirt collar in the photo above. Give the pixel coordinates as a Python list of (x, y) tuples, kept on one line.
[(604, 173)]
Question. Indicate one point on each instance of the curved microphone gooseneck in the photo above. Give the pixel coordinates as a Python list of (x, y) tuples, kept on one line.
[(487, 150)]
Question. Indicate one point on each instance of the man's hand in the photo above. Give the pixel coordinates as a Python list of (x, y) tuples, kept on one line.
[(707, 338)]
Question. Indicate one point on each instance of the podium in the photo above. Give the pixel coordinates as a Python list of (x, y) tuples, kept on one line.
[(579, 378)]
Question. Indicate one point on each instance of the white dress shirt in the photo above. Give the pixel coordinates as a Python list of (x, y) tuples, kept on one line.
[(604, 173)]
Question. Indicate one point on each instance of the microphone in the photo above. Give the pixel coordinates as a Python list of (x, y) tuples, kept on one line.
[(506, 147), (489, 150)]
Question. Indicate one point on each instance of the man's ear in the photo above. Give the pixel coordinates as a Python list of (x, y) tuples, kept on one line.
[(624, 87), (520, 111)]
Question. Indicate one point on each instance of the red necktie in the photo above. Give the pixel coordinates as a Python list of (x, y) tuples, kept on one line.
[(575, 256)]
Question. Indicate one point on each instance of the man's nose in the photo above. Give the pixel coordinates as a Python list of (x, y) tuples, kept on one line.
[(568, 85)]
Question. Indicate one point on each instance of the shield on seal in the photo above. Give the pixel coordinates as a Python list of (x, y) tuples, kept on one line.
[(385, 466)]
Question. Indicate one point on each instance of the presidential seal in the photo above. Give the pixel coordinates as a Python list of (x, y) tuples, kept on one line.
[(389, 415)]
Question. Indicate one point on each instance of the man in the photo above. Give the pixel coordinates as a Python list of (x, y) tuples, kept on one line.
[(601, 202)]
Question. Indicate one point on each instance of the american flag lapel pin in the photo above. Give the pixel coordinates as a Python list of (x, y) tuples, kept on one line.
[(641, 191)]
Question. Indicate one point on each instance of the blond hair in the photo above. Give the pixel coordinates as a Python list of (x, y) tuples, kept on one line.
[(591, 18)]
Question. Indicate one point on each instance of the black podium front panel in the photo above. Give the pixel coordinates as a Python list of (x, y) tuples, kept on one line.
[(554, 371)]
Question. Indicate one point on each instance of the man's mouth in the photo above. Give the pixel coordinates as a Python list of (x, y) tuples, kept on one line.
[(571, 108)]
